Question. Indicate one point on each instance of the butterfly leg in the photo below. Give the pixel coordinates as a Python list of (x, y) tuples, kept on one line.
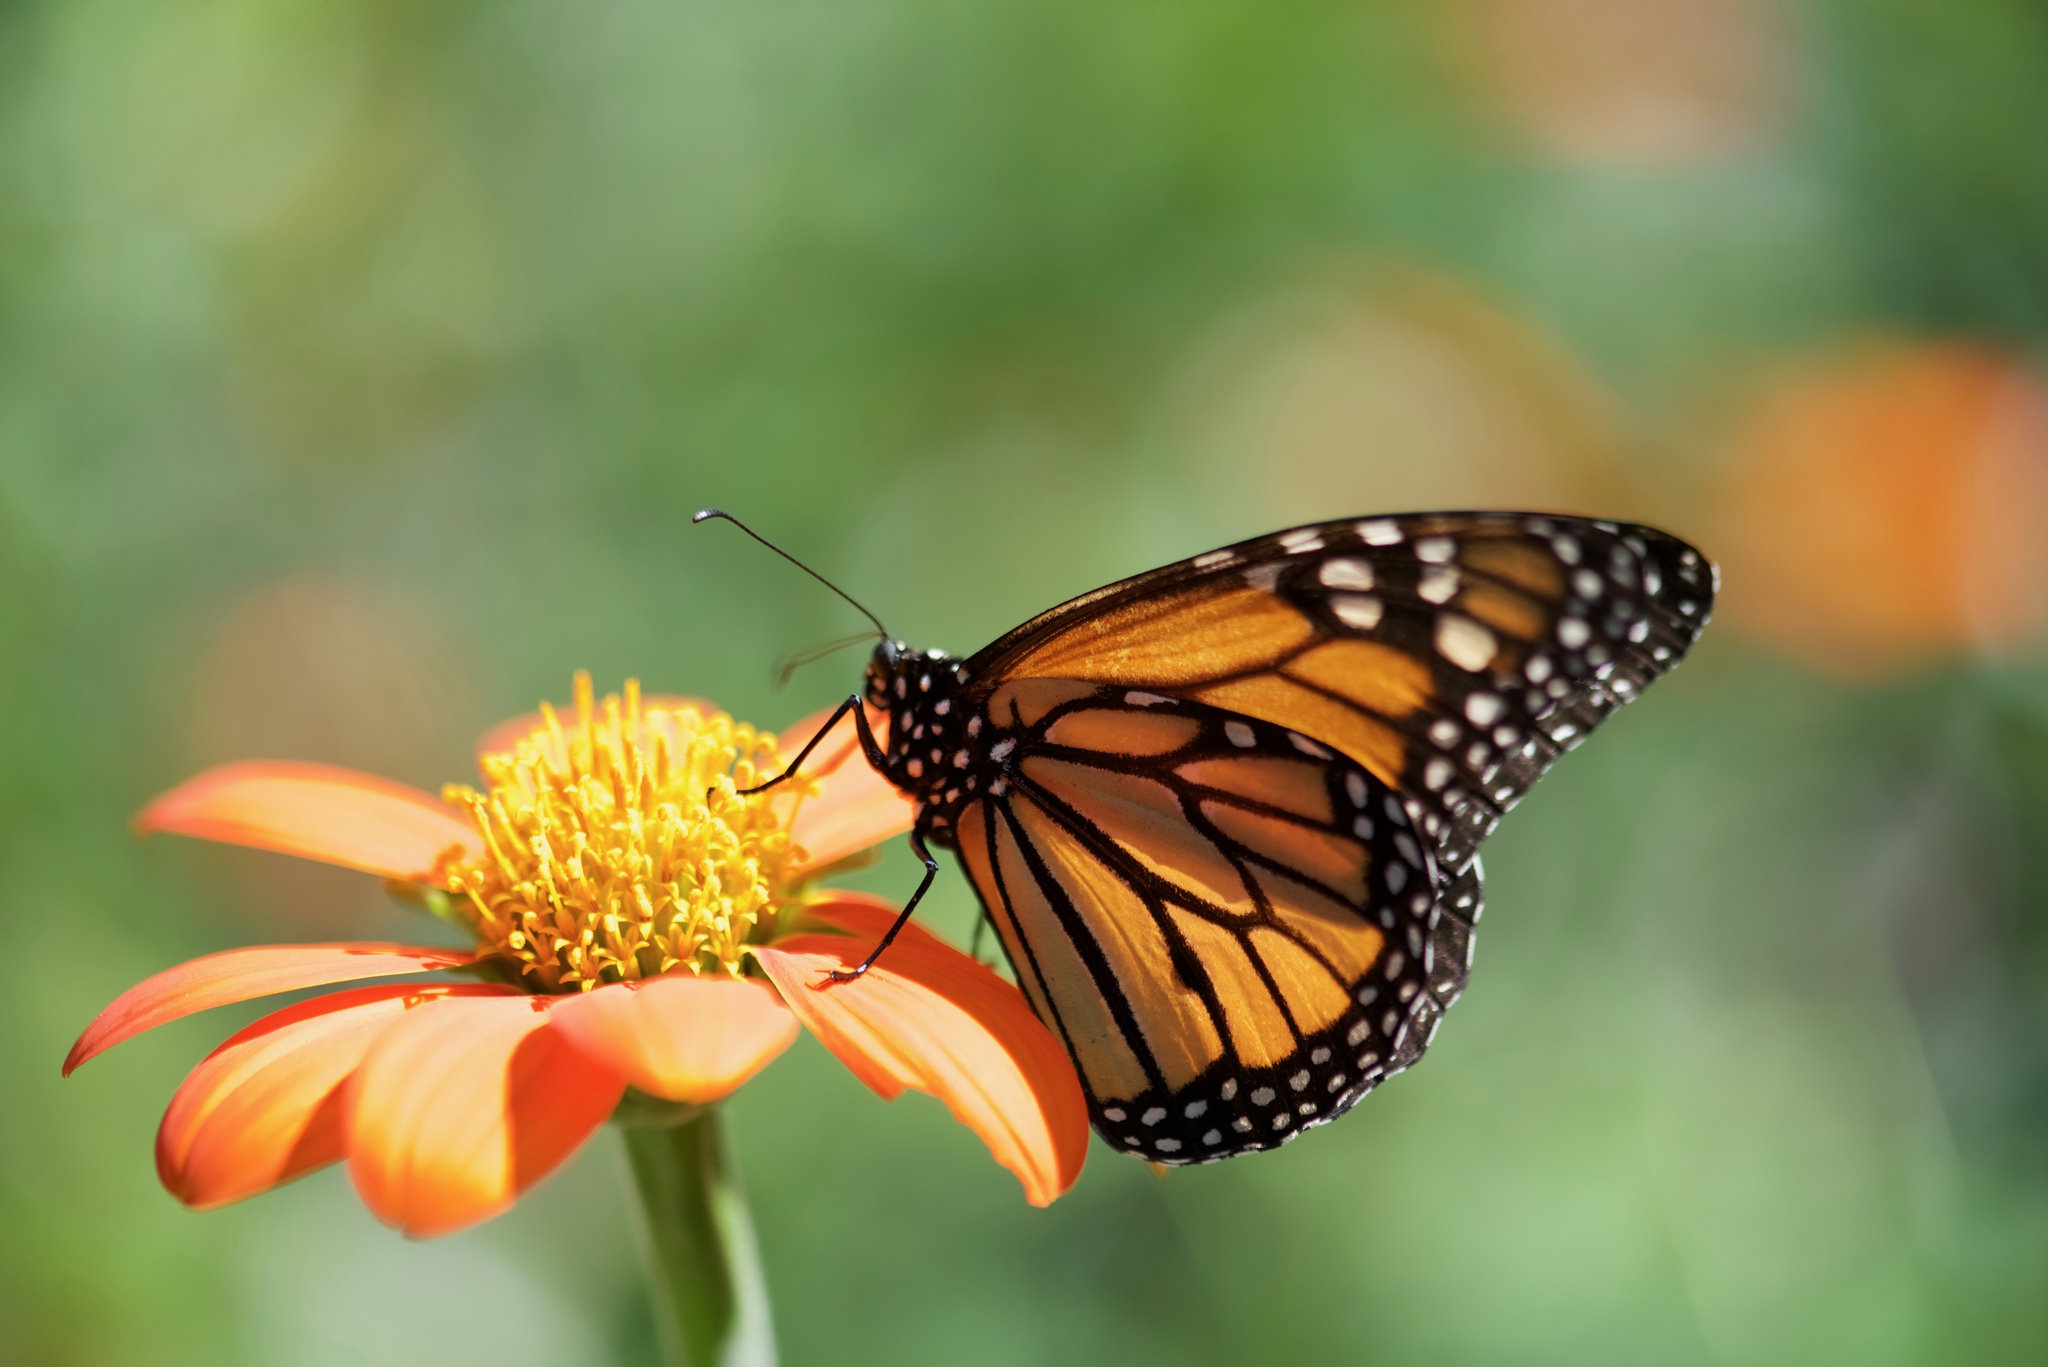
[(931, 871), (868, 744)]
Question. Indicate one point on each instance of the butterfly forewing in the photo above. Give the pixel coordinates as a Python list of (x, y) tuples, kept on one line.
[(1235, 929), (1454, 655)]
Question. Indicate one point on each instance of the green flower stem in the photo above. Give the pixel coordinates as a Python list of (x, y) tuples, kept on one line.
[(709, 1295)]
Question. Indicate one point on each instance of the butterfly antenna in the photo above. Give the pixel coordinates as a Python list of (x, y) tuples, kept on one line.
[(708, 513), (795, 660)]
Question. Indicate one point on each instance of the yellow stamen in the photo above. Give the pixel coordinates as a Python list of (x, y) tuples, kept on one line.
[(602, 859)]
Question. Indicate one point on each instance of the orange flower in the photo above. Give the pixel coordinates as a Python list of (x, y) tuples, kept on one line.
[(1888, 506), (637, 924)]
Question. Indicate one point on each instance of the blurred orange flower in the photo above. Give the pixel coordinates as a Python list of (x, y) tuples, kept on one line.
[(637, 924), (1890, 506), (1633, 83)]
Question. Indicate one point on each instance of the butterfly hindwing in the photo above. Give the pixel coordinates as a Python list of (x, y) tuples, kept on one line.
[(1236, 930), (1454, 655)]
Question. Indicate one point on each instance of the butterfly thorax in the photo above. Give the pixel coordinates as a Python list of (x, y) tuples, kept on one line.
[(937, 748)]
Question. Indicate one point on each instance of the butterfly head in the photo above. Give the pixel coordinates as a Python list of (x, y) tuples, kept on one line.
[(885, 666), (901, 677), (921, 690)]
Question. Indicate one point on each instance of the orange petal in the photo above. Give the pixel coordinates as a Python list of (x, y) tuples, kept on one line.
[(928, 1017), (266, 1106), (236, 975), (863, 914), (315, 811), (855, 806), (464, 1103), (506, 735), (681, 1037)]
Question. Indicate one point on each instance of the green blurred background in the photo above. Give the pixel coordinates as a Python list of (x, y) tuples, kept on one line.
[(361, 364)]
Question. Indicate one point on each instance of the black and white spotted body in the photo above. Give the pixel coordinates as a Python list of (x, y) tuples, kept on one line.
[(941, 749)]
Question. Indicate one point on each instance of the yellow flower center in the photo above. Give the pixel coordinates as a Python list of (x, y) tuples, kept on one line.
[(604, 859)]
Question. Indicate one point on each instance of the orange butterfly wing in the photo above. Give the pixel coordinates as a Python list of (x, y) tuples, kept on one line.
[(1235, 930), (1173, 852), (1455, 655)]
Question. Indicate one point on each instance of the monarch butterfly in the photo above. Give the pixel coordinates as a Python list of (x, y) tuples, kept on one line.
[(1225, 816)]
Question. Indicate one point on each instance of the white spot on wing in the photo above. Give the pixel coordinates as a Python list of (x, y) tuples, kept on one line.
[(1484, 709), (1302, 539), (1379, 531), (1464, 642), (1439, 584), (1213, 559), (1346, 572), (1265, 578), (1359, 611), (1240, 735), (1436, 550)]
